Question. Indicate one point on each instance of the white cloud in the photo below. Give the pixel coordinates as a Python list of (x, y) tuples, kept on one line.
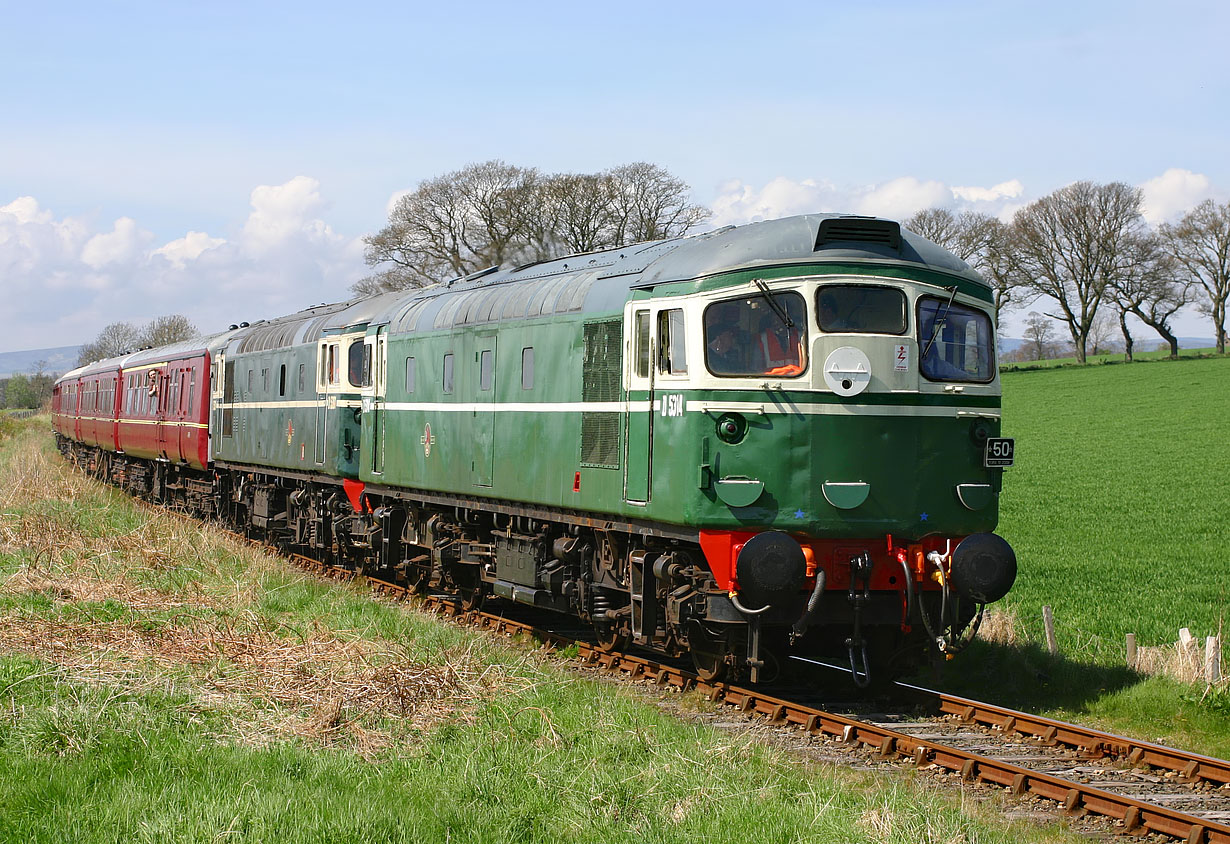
[(285, 257), (24, 209), (898, 198), (284, 212), (1172, 193), (187, 248), (1010, 189), (124, 243)]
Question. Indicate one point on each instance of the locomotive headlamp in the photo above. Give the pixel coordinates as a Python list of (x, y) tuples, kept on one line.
[(731, 428), (983, 568)]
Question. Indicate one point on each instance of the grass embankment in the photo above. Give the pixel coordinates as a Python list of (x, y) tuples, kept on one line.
[(1117, 509), (163, 683)]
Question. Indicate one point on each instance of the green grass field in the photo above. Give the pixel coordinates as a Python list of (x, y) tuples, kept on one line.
[(159, 682), (1117, 506)]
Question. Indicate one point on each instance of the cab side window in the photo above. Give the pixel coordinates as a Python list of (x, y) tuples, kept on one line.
[(672, 348)]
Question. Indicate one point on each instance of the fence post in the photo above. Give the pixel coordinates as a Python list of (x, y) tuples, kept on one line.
[(1212, 660), (1048, 621), (1131, 651)]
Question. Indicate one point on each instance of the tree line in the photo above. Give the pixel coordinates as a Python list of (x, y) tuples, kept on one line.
[(1086, 250), (121, 338)]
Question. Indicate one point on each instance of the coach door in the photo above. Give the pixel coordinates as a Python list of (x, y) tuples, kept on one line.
[(639, 437), (480, 392), (160, 385)]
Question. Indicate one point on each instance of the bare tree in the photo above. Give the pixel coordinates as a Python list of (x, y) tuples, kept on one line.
[(115, 339), (1200, 242), (1149, 289), (452, 225), (495, 213), (650, 204), (1072, 243), (1039, 331), (1101, 333), (579, 213), (979, 240), (172, 328)]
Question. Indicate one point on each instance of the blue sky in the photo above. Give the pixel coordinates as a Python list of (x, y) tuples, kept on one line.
[(226, 159)]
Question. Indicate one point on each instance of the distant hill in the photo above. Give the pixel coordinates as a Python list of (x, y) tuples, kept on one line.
[(59, 360)]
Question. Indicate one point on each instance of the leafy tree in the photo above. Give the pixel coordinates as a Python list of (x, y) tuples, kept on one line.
[(30, 391), (496, 213), (1200, 242), (1074, 242)]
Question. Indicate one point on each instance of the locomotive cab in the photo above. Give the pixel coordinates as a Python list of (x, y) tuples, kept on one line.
[(827, 432)]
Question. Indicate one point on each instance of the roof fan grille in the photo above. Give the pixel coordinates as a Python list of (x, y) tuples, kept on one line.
[(859, 230)]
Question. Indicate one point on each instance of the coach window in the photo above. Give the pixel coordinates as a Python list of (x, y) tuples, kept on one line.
[(265, 380), (191, 391), (249, 384), (409, 375), (302, 376), (672, 351), (447, 382), (282, 380), (527, 368)]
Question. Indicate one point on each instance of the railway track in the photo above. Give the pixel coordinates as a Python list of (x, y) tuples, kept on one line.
[(1143, 788)]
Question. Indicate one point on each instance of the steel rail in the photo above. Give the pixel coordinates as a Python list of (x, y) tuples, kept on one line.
[(1092, 744)]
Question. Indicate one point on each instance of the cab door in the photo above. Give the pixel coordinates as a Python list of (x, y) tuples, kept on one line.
[(639, 373)]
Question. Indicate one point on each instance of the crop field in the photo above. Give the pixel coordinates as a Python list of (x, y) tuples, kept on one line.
[(1117, 506), (161, 682), (1117, 510)]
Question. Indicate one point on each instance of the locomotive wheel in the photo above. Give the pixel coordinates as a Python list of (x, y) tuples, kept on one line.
[(611, 638), (708, 654)]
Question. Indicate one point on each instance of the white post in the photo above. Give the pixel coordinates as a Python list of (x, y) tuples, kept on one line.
[(1212, 660), (1048, 621)]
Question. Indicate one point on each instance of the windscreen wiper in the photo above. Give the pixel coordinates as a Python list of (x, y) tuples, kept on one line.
[(940, 319), (773, 303)]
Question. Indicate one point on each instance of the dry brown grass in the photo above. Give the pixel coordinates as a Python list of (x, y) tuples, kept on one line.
[(202, 635)]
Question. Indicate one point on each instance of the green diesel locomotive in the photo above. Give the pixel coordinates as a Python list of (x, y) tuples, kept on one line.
[(772, 439)]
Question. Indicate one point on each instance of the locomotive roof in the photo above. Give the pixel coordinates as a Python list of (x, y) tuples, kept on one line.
[(600, 281)]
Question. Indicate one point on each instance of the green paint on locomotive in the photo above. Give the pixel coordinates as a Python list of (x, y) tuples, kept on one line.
[(493, 435)]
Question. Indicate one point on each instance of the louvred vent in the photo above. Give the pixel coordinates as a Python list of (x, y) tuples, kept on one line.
[(859, 230)]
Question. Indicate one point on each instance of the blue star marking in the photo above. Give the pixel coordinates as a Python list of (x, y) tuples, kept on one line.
[(798, 514), (922, 517)]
